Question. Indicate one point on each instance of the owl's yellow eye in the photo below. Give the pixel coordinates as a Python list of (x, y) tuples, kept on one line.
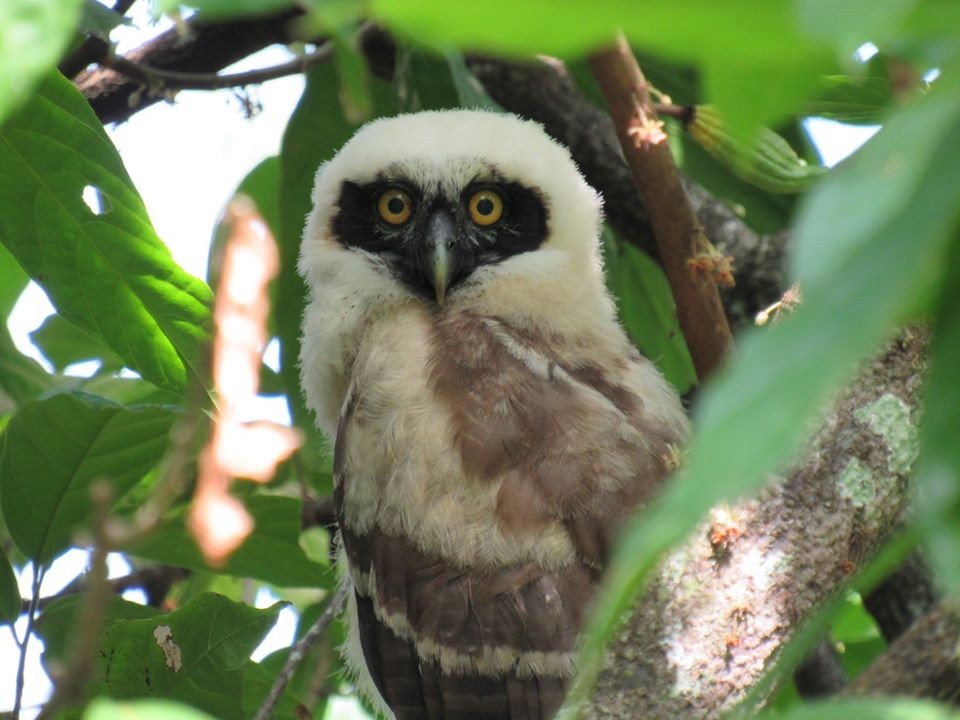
[(395, 206), (485, 207)]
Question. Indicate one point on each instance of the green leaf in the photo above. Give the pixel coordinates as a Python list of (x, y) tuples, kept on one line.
[(108, 273), (13, 280), (470, 91), (938, 469), (196, 655), (9, 592), (64, 344), (57, 624), (101, 709), (871, 242), (424, 81), (848, 24), (33, 33), (730, 40), (873, 708), (866, 99), (645, 307), (21, 378), (276, 535), (53, 452)]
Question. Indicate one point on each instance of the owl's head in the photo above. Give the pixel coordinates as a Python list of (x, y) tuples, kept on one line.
[(454, 209)]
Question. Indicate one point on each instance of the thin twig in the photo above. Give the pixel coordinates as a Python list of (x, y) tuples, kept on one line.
[(301, 650), (159, 80), (38, 572), (72, 684), (684, 249)]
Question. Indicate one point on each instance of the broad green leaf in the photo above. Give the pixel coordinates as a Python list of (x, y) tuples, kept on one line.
[(33, 33), (848, 24), (196, 654), (645, 307), (864, 267), (101, 709), (53, 452), (757, 65), (63, 344), (57, 624), (21, 378), (880, 708), (938, 469), (9, 592), (275, 535), (108, 273)]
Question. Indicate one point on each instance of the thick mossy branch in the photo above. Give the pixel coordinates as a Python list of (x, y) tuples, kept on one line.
[(731, 597)]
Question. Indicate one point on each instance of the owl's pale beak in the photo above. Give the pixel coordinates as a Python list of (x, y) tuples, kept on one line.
[(440, 263)]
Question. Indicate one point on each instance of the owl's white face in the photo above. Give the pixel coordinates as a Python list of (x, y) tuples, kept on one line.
[(452, 211)]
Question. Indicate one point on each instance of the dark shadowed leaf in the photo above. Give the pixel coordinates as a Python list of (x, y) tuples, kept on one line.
[(196, 655), (9, 592), (276, 535), (225, 9), (106, 270), (645, 307), (55, 449), (98, 20), (57, 624)]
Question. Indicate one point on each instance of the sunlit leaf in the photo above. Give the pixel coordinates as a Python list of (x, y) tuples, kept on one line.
[(108, 273), (55, 449), (225, 9), (101, 709)]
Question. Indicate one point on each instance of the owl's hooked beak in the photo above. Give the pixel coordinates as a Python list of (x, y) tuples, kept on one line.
[(442, 259)]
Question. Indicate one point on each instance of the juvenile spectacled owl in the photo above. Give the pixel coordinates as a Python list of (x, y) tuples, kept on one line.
[(492, 424)]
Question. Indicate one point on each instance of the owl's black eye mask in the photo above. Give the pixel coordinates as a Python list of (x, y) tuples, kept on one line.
[(434, 243)]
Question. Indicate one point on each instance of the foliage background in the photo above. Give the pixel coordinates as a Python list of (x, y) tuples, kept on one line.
[(874, 245)]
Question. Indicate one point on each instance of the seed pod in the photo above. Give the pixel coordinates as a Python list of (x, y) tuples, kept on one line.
[(766, 161)]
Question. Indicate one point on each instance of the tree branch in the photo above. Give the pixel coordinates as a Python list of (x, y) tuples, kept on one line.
[(680, 238), (91, 50), (160, 80), (203, 47), (903, 598)]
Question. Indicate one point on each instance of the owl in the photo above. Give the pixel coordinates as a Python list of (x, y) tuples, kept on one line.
[(492, 425)]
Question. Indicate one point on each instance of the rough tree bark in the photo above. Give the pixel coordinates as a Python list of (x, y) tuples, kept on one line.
[(726, 601)]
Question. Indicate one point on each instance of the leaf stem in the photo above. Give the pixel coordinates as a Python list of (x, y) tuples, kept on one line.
[(38, 573)]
